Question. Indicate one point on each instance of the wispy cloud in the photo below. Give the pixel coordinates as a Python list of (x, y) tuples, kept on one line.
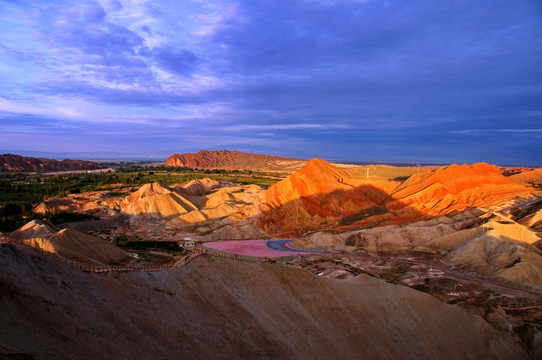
[(284, 127), (495, 131)]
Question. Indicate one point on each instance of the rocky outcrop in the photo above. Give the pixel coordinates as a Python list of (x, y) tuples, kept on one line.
[(11, 162), (207, 209), (234, 160)]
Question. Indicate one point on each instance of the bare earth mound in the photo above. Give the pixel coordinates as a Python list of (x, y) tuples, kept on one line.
[(224, 309)]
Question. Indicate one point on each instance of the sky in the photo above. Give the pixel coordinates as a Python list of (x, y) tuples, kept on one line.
[(352, 80)]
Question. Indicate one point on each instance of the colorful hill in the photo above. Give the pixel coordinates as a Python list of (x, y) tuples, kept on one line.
[(322, 196), (453, 189), (318, 195), (533, 176)]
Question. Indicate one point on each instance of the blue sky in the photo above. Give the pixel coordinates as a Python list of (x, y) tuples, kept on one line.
[(366, 80)]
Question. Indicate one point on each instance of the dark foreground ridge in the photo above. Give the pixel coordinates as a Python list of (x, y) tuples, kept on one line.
[(216, 308)]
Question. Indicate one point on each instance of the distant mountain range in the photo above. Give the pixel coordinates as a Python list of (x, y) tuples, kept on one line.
[(11, 162), (94, 155)]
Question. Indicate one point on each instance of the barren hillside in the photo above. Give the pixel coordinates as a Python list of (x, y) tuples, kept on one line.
[(224, 309)]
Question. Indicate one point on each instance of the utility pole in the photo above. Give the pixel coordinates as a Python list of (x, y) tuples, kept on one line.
[(367, 172)]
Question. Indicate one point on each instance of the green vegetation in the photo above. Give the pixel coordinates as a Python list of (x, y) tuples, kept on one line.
[(15, 215), (33, 187), (20, 191)]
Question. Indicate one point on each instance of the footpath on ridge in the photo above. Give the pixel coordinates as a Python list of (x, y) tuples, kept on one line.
[(261, 251)]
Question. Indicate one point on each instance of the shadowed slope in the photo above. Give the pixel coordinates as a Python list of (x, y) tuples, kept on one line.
[(224, 309)]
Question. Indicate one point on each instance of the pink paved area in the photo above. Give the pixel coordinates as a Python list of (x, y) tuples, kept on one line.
[(249, 247)]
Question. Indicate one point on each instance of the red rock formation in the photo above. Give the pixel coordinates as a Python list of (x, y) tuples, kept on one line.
[(231, 160), (323, 196), (11, 162), (452, 189), (317, 195)]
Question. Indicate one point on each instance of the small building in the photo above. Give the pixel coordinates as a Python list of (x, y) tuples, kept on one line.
[(187, 244)]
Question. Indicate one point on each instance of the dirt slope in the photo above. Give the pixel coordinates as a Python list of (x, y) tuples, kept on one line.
[(11, 162), (223, 309)]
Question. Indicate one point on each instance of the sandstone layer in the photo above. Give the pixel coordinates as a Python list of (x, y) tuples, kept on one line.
[(206, 209), (527, 177), (319, 195)]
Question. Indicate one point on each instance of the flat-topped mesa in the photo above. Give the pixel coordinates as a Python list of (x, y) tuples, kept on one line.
[(234, 160), (11, 162), (455, 188)]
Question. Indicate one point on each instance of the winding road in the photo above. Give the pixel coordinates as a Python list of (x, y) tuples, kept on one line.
[(279, 248)]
